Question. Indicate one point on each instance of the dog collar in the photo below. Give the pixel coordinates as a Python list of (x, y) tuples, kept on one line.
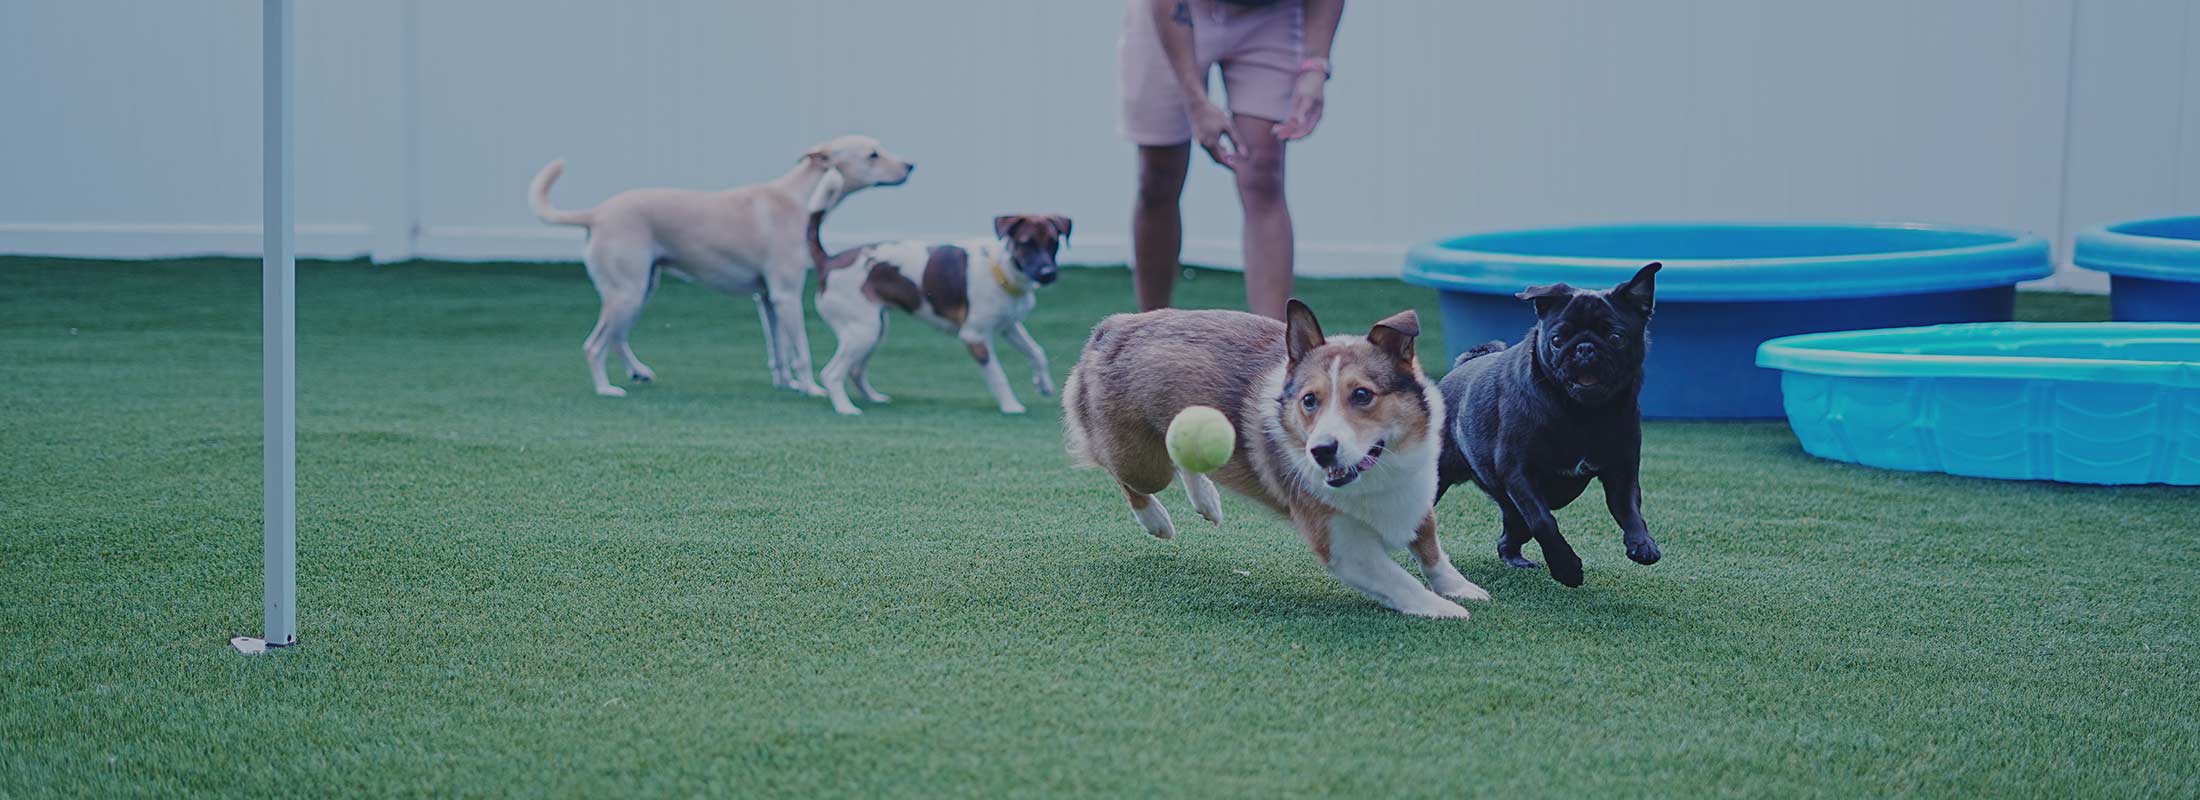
[(1001, 278)]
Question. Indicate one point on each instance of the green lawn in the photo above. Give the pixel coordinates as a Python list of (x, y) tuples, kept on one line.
[(511, 586)]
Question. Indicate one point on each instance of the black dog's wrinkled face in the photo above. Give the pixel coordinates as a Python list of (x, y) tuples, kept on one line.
[(1033, 240), (1592, 343)]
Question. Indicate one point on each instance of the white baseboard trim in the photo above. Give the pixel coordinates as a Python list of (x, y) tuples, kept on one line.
[(1318, 259), (159, 240)]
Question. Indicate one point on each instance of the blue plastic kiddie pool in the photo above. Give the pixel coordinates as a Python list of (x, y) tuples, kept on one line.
[(2153, 267), (1727, 287), (2094, 402)]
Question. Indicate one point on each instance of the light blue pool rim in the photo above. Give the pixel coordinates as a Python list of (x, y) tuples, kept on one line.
[(2140, 249), (1908, 352), (1883, 259)]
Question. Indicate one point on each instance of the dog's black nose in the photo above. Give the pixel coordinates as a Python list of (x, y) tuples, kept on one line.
[(1585, 351), (1325, 453), (908, 167)]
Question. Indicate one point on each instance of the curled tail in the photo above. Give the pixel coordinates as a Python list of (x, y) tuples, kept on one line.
[(538, 197), (1480, 350)]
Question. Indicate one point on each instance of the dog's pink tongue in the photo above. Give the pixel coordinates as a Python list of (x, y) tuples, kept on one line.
[(1367, 463)]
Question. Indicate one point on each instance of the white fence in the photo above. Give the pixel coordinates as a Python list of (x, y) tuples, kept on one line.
[(131, 128)]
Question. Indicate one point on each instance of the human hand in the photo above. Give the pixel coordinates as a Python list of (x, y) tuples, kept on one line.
[(1306, 106), (1212, 127)]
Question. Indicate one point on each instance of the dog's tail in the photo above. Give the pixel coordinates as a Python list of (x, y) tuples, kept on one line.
[(1480, 350), (538, 197)]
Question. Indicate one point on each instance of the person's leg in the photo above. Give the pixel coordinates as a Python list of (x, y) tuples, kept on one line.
[(1268, 236), (1157, 222)]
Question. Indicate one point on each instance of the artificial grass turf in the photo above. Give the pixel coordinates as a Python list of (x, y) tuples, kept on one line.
[(509, 585)]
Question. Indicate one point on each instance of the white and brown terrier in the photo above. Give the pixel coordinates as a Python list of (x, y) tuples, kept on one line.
[(975, 289), (1339, 433)]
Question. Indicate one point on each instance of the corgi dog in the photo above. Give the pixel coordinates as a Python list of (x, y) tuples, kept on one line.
[(1340, 434)]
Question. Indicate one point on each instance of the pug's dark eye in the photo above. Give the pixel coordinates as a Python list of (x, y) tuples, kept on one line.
[(874, 155), (1362, 397), (1310, 402)]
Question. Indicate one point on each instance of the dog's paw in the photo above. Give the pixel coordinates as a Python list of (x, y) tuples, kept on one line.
[(1644, 551), (1155, 520), (643, 374), (1015, 408), (1512, 558), (877, 397), (1433, 607), (1044, 384), (811, 389), (848, 410), (1451, 584), (610, 391), (1567, 573)]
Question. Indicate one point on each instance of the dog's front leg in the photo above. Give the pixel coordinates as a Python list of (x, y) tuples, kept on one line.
[(1565, 564), (989, 363), (1623, 495), (1041, 377), (1436, 568), (794, 341), (769, 317), (1355, 555)]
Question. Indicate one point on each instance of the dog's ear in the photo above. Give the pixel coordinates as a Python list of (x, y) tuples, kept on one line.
[(827, 193), (1546, 298), (1640, 291), (1005, 224), (1301, 332), (1395, 334), (1061, 226), (818, 157)]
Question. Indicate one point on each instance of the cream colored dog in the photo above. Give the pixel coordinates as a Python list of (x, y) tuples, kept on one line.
[(745, 240)]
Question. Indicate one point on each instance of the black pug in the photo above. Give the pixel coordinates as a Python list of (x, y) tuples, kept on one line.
[(1531, 424)]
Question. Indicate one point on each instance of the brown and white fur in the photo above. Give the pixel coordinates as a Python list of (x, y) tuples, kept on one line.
[(1339, 433), (745, 240), (975, 289)]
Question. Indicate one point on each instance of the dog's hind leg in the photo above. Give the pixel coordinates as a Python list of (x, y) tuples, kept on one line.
[(862, 370), (1206, 499), (858, 330), (1357, 557), (1509, 541), (1436, 568), (623, 296), (635, 369), (1149, 513)]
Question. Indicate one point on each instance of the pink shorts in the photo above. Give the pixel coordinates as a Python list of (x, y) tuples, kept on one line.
[(1259, 51)]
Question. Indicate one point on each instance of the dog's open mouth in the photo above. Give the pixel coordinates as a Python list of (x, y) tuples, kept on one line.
[(1586, 380), (1342, 474)]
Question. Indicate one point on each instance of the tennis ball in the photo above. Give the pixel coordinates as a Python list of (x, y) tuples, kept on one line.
[(1200, 439)]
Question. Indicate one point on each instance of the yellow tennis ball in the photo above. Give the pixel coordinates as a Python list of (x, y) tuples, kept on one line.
[(1200, 439)]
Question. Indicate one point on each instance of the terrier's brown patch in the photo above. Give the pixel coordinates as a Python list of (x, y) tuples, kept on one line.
[(947, 282), (887, 286)]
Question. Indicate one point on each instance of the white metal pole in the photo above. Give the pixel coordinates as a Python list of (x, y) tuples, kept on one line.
[(278, 301)]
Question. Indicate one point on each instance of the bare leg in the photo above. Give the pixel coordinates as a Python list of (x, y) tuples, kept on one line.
[(1268, 236), (1157, 223)]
